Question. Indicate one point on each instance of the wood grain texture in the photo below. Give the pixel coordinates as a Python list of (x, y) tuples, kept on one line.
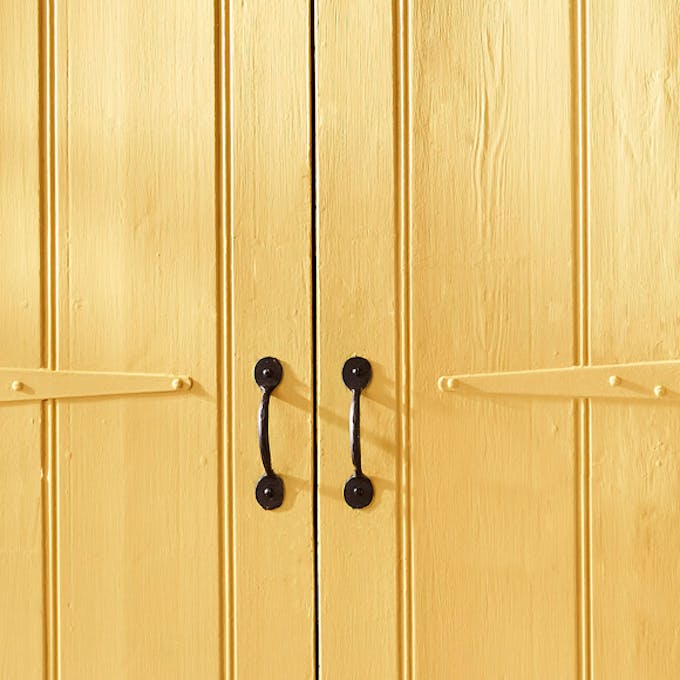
[(21, 519), (139, 502), (173, 159), (357, 299), (272, 316), (494, 481), (493, 486), (458, 123), (136, 246), (634, 82)]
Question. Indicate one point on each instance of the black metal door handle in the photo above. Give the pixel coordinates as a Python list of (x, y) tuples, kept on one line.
[(269, 490), (356, 374)]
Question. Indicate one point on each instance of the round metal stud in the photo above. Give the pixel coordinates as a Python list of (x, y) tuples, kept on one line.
[(269, 492), (17, 386), (358, 491), (177, 384), (268, 372), (356, 373), (659, 391), (614, 380)]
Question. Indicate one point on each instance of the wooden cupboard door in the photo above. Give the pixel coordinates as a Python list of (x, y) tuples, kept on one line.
[(155, 189), (497, 192)]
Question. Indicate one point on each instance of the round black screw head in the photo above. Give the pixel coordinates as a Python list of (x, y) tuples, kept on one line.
[(269, 492), (356, 373), (358, 491), (268, 372)]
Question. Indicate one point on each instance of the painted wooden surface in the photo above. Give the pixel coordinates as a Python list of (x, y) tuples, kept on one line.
[(494, 482), (22, 384), (138, 514), (357, 246), (497, 190), (646, 380), (446, 226), (148, 226), (21, 473), (534, 159), (634, 81), (271, 310)]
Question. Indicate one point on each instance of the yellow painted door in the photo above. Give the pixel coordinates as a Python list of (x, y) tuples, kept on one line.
[(498, 191), (155, 222)]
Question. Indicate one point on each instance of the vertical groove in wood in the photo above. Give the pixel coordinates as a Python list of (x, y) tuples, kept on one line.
[(48, 219), (583, 439), (43, 64), (583, 189), (583, 408), (402, 335), (230, 462), (314, 316), (230, 333), (52, 502), (224, 339)]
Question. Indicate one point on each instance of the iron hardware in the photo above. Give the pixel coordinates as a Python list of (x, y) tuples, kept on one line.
[(356, 374), (269, 489)]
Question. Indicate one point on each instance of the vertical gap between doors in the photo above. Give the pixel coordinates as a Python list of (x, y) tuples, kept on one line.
[(315, 344)]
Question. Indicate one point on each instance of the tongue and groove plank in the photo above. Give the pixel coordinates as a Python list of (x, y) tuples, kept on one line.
[(138, 563), (634, 91), (22, 651), (494, 481)]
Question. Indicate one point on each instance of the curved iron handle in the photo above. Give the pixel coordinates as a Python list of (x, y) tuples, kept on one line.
[(356, 374), (269, 489)]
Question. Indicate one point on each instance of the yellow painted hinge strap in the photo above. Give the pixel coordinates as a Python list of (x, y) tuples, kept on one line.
[(649, 380), (25, 384)]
